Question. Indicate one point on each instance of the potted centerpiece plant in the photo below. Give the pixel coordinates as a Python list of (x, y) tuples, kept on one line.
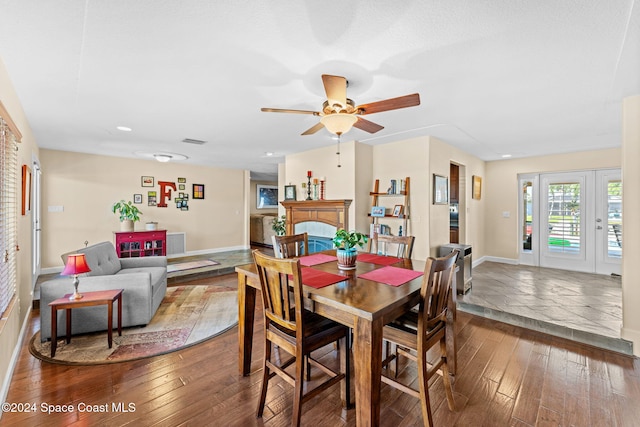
[(279, 225), (346, 251), (128, 212)]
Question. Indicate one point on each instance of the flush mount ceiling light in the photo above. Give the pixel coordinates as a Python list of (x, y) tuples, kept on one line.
[(163, 158), (124, 128)]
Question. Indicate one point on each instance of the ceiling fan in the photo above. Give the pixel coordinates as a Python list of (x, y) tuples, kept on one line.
[(340, 113)]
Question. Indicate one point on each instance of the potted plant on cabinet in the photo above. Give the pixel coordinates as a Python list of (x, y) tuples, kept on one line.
[(346, 251), (128, 214)]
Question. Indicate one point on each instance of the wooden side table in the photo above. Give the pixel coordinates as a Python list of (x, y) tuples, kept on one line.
[(88, 299)]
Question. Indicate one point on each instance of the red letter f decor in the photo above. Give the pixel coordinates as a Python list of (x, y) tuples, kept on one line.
[(165, 192)]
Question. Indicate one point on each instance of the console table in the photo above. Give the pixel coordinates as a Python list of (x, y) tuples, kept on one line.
[(133, 244)]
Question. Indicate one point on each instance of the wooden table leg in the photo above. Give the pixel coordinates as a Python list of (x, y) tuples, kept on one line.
[(68, 325), (367, 348), (120, 315), (54, 330), (246, 314), (110, 323)]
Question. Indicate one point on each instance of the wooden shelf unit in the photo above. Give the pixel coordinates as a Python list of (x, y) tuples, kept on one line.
[(376, 195), (135, 244)]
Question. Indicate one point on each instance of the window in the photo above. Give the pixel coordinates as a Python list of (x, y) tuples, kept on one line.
[(8, 214)]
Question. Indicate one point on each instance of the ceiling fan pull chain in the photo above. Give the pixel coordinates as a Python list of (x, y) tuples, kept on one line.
[(338, 152)]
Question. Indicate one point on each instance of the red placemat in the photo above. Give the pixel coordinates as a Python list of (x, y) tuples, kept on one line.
[(393, 276), (378, 259), (318, 278), (314, 259)]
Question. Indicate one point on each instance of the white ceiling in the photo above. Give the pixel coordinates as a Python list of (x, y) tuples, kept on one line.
[(495, 76)]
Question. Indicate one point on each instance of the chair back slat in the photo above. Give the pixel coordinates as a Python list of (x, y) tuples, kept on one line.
[(294, 245), (277, 278), (434, 294), (398, 246)]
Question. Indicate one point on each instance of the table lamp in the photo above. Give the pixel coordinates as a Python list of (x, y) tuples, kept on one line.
[(76, 264)]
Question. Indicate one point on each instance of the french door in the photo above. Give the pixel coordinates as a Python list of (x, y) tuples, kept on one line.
[(573, 221)]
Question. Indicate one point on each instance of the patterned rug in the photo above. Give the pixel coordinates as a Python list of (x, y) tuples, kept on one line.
[(191, 265), (187, 315)]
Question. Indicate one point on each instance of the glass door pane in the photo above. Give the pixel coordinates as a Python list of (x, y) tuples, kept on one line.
[(563, 217)]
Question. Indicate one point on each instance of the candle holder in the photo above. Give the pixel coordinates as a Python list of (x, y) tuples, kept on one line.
[(309, 188), (322, 189)]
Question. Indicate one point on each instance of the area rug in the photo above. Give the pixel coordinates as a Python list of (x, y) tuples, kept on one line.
[(191, 265), (187, 315)]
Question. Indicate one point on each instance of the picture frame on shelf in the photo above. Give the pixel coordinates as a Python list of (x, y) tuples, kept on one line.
[(266, 196), (398, 210), (290, 192), (137, 199), (198, 191), (377, 211), (440, 190), (147, 181), (477, 187)]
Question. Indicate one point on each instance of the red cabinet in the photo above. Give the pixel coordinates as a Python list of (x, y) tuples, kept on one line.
[(133, 244)]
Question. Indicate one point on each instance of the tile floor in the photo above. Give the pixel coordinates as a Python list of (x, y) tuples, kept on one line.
[(578, 306)]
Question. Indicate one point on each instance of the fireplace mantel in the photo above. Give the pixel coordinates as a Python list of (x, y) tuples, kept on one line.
[(332, 212)]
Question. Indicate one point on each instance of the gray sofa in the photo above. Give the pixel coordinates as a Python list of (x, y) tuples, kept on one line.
[(144, 281)]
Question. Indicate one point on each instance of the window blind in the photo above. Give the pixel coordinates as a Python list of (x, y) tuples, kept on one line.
[(8, 215)]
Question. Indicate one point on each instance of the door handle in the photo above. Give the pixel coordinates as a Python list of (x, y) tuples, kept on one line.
[(599, 227)]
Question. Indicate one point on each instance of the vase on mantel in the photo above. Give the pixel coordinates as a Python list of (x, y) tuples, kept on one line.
[(347, 258)]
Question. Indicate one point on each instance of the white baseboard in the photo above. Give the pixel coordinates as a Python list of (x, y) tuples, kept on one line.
[(495, 259), (14, 358)]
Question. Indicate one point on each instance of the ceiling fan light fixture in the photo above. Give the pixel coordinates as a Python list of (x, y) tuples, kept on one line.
[(338, 123), (163, 158)]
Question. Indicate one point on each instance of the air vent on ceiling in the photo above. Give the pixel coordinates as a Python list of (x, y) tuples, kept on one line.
[(194, 141)]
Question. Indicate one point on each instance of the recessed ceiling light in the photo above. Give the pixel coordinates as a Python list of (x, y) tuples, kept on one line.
[(163, 157), (268, 153), (506, 156), (124, 128)]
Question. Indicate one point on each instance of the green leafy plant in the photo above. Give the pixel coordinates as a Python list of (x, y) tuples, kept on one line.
[(279, 225), (348, 240), (126, 210)]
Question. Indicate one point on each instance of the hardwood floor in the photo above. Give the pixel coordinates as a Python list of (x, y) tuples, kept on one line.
[(506, 376)]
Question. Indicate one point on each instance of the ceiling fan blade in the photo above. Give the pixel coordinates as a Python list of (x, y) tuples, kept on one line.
[(336, 89), (282, 110), (389, 104), (367, 126), (313, 129)]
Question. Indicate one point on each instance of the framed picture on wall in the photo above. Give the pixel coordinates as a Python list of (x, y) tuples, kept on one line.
[(198, 191), (267, 196), (147, 181), (137, 198), (440, 190), (477, 187)]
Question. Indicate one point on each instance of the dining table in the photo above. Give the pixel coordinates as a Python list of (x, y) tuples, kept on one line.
[(365, 299)]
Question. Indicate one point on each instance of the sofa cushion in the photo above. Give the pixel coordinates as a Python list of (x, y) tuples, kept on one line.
[(101, 258), (157, 275)]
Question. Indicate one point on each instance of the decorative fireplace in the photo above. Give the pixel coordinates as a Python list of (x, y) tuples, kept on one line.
[(318, 218)]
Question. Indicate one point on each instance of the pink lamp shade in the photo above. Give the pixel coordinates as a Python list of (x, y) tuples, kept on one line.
[(76, 264)]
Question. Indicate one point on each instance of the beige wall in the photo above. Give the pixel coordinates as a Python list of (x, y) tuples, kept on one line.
[(501, 190), (362, 164), (12, 321), (631, 226), (253, 198), (87, 185), (472, 217)]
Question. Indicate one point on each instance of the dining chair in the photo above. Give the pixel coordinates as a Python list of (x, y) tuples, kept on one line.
[(297, 331), (398, 246), (420, 331), (294, 245)]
